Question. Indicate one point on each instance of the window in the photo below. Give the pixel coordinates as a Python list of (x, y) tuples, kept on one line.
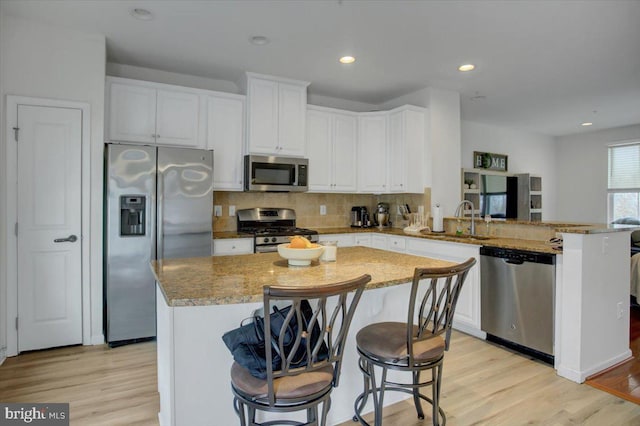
[(624, 182)]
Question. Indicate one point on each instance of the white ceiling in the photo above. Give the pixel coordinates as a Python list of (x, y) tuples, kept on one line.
[(543, 66)]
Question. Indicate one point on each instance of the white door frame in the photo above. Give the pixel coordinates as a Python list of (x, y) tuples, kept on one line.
[(12, 213)]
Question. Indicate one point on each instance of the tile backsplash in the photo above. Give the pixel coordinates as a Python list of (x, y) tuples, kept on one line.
[(307, 206)]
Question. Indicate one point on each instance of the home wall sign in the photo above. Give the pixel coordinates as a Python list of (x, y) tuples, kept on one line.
[(490, 161)]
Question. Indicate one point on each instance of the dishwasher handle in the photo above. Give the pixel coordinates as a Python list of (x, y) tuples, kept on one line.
[(514, 261)]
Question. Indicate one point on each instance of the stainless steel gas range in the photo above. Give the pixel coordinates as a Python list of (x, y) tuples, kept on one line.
[(270, 227)]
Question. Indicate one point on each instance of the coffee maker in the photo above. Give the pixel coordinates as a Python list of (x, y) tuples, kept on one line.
[(360, 217), (381, 216)]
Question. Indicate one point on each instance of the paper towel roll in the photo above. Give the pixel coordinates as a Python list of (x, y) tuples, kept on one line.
[(437, 219)]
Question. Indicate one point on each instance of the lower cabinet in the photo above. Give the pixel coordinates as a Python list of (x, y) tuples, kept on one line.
[(397, 244), (363, 240), (232, 246), (343, 240), (467, 316)]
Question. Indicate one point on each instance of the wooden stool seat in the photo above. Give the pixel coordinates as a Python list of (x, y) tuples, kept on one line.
[(286, 388), (387, 341)]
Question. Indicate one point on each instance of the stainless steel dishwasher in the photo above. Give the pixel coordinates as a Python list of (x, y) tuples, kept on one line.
[(518, 299)]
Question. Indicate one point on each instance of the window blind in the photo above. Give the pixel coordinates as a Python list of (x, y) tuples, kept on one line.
[(624, 166)]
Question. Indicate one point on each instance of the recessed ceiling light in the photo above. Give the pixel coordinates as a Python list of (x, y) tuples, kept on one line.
[(466, 67), (142, 14), (347, 60), (587, 123), (259, 40)]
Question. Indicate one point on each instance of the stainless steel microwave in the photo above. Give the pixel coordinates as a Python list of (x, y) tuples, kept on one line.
[(277, 174)]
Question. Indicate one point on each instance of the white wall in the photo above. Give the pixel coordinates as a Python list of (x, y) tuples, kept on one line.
[(329, 102), (50, 62), (445, 140), (3, 182), (528, 153), (157, 76), (582, 173)]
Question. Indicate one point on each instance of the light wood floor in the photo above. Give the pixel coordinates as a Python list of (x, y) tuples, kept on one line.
[(483, 384)]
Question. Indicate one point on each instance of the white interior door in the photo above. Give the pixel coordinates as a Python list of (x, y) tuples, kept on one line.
[(49, 226)]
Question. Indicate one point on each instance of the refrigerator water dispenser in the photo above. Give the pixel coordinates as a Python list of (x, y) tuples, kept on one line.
[(132, 215)]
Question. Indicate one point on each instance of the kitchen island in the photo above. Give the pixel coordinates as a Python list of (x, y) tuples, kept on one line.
[(199, 299)]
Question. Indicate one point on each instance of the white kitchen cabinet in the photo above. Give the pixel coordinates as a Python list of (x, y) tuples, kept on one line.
[(232, 246), (393, 151), (467, 315), (225, 136), (363, 240), (397, 244), (380, 241), (331, 149), (409, 167), (343, 240), (161, 114), (276, 112), (372, 152)]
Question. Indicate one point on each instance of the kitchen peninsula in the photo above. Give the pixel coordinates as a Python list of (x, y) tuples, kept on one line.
[(199, 299)]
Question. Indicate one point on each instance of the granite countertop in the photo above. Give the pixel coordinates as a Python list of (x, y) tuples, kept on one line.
[(511, 243), (221, 280)]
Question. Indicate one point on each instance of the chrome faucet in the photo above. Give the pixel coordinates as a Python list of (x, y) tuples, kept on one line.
[(460, 213)]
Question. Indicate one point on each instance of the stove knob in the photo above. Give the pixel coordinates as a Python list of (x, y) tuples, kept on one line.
[(274, 239), (266, 240)]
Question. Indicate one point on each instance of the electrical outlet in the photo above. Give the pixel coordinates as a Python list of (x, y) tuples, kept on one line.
[(323, 210), (232, 210), (620, 309), (605, 245), (217, 210)]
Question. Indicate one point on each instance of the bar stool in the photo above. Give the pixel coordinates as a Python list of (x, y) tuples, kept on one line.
[(293, 388), (414, 346)]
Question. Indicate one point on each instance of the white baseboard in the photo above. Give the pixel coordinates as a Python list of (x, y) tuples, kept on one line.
[(581, 376), (470, 330), (97, 339)]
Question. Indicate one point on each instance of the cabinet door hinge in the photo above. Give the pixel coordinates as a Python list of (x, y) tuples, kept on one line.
[(15, 131), (16, 323), (16, 229)]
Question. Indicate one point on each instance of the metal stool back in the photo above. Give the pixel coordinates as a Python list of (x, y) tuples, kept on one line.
[(292, 388)]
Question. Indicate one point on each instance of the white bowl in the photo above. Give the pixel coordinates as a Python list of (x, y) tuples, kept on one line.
[(299, 256)]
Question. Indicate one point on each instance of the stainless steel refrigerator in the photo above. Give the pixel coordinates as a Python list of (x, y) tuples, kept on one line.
[(158, 204)]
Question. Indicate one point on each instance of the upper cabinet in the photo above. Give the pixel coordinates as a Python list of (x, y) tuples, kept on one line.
[(392, 151), (372, 152), (225, 136), (154, 113), (331, 149), (409, 166), (276, 112)]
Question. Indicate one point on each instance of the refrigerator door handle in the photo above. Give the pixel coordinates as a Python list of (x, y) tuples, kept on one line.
[(160, 216)]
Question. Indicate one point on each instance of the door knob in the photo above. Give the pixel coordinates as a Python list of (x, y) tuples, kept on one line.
[(69, 239)]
